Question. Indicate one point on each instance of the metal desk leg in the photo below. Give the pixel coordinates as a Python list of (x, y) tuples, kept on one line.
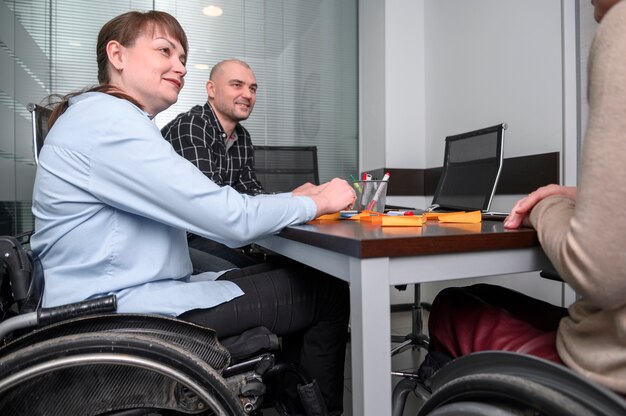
[(370, 334)]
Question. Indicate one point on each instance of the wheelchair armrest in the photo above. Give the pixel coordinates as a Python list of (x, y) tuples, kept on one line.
[(46, 316), (102, 304), (550, 274)]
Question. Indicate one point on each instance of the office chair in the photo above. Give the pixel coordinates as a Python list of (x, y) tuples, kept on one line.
[(284, 168), (39, 119), (416, 338)]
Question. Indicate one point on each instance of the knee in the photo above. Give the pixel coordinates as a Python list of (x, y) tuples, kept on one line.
[(448, 296), (454, 303), (456, 296)]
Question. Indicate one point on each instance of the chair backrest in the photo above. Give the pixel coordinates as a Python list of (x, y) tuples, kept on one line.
[(284, 168), (39, 117)]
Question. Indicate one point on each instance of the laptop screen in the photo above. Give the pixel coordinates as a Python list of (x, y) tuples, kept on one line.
[(471, 169)]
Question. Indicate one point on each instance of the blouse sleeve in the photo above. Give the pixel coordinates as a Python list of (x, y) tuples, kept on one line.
[(139, 172)]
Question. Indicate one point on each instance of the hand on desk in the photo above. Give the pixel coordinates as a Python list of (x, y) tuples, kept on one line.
[(520, 213), (330, 197)]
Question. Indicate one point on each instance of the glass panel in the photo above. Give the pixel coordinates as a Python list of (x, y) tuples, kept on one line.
[(25, 76), (304, 54)]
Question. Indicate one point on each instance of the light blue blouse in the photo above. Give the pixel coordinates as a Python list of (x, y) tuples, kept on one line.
[(112, 204)]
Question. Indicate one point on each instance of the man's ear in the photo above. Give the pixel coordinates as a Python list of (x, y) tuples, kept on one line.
[(115, 53), (210, 89)]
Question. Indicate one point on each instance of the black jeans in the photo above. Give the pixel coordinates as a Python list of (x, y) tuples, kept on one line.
[(307, 308)]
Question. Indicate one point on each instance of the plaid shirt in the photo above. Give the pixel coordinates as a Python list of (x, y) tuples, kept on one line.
[(198, 136)]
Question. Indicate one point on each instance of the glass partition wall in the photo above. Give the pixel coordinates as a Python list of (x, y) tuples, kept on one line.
[(303, 52)]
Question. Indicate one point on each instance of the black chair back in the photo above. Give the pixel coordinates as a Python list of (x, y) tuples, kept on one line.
[(39, 117), (284, 168)]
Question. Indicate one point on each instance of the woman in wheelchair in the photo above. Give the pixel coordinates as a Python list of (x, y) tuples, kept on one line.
[(582, 231), (113, 203)]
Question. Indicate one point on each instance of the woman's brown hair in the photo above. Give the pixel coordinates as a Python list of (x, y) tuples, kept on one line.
[(125, 29)]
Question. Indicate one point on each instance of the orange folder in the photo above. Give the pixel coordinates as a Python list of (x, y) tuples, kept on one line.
[(398, 221), (328, 217), (471, 217)]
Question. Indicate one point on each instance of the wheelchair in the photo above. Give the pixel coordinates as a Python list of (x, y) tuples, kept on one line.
[(84, 359), (500, 383)]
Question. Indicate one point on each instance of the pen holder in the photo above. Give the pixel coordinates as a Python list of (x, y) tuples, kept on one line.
[(370, 195)]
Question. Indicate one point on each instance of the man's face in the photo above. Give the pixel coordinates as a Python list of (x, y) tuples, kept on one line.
[(602, 7), (232, 92)]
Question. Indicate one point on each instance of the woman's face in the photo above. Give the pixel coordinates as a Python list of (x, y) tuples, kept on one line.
[(152, 70), (601, 7)]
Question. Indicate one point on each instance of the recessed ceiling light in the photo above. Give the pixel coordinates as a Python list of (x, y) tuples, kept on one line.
[(213, 11), (201, 66)]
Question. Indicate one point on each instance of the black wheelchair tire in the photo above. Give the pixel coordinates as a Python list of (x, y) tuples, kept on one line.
[(506, 390), (139, 353), (472, 409)]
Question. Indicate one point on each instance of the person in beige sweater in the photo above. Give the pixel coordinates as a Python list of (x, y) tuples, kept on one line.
[(582, 231)]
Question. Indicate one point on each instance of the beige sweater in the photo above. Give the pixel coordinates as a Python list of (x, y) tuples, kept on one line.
[(586, 239)]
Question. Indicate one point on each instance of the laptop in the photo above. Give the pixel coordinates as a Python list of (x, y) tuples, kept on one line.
[(471, 168)]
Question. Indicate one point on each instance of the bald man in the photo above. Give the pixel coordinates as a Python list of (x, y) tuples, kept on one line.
[(211, 137)]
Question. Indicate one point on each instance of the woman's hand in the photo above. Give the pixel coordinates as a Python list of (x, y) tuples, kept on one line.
[(333, 196), (520, 213), (305, 190)]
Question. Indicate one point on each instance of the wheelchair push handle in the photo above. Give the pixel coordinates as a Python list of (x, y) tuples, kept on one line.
[(102, 304), (14, 256)]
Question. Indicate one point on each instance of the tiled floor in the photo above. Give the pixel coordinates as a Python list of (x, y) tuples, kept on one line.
[(406, 360)]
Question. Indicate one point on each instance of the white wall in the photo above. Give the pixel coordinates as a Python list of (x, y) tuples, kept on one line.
[(493, 61), (456, 65), (371, 84), (405, 86), (587, 26)]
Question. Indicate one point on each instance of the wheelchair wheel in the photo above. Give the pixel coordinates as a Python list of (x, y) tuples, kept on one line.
[(472, 409), (111, 373), (499, 394), (198, 340)]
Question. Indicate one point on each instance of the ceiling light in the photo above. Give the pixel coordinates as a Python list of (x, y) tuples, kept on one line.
[(201, 66), (213, 11)]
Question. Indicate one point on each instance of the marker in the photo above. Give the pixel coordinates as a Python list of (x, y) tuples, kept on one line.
[(399, 213), (356, 184), (379, 191), (367, 190), (348, 213)]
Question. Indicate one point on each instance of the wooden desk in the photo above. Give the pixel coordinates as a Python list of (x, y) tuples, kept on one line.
[(372, 259)]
